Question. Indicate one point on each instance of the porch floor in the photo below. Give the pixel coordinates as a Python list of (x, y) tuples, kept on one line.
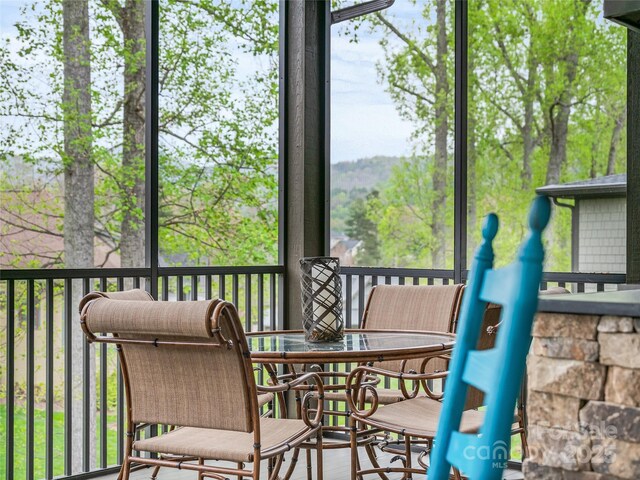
[(336, 467)]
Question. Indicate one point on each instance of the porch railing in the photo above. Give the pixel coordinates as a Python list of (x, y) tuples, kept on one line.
[(62, 400)]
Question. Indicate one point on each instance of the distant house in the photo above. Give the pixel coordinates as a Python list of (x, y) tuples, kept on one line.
[(31, 237), (599, 222), (345, 249)]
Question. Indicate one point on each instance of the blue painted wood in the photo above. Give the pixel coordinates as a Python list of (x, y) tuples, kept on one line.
[(497, 372)]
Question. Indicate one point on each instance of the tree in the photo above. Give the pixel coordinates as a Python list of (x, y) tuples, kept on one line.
[(72, 95), (78, 165), (542, 109), (218, 125), (361, 226), (417, 77)]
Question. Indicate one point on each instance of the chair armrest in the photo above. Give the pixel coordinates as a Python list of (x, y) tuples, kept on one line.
[(369, 379), (435, 374), (314, 390), (355, 384)]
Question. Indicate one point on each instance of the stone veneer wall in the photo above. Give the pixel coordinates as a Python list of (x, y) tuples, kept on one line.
[(584, 398)]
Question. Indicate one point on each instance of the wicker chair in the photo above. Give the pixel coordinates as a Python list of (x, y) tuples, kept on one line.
[(188, 364)]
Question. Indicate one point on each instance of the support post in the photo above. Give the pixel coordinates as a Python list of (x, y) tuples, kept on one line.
[(460, 140), (304, 150), (633, 156), (152, 25)]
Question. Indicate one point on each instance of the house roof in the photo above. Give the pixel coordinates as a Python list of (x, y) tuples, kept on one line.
[(607, 186), (30, 234)]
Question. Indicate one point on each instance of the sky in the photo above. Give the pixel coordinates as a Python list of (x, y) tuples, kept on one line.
[(364, 120)]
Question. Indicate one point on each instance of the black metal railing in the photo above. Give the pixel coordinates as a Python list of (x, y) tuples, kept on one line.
[(63, 400)]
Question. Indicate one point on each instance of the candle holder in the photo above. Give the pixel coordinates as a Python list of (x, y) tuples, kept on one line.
[(321, 299)]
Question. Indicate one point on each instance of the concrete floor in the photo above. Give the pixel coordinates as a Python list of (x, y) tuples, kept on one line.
[(336, 465)]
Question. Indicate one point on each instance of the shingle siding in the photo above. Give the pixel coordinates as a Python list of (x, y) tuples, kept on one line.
[(602, 235)]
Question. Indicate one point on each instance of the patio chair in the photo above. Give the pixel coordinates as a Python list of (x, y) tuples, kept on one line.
[(188, 364), (497, 372), (143, 295), (420, 404), (406, 307), (395, 307), (264, 399)]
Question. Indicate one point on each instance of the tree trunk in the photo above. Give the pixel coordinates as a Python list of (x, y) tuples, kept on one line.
[(560, 109), (528, 140), (595, 141), (559, 116), (438, 226), (615, 140), (78, 192), (78, 164), (133, 162)]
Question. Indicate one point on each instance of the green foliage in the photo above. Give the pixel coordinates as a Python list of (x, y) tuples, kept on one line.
[(530, 63), (218, 127), (362, 224)]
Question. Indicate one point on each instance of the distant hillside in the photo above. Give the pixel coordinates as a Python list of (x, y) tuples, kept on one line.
[(353, 180), (363, 174)]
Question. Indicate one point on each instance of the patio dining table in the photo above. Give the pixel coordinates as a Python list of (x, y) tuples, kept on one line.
[(289, 348)]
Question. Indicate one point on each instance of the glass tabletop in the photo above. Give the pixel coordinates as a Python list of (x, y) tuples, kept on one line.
[(356, 344)]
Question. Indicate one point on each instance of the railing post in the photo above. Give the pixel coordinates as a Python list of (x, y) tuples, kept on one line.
[(10, 377)]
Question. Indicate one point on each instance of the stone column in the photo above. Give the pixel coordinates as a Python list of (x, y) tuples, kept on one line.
[(584, 398)]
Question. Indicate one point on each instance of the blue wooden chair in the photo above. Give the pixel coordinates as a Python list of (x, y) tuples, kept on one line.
[(498, 371)]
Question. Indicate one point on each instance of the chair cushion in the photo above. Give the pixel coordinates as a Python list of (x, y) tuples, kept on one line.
[(419, 416), (224, 444)]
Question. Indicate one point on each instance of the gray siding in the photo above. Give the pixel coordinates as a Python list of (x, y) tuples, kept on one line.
[(602, 235)]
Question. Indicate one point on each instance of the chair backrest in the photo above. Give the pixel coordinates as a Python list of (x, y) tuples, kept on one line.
[(497, 371), (184, 363), (486, 340), (412, 307), (490, 325), (134, 294)]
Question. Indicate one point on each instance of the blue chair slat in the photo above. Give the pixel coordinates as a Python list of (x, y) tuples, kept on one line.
[(498, 371), (481, 369), (498, 286), (464, 442)]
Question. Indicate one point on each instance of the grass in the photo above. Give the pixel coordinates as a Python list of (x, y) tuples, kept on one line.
[(58, 441), (20, 436)]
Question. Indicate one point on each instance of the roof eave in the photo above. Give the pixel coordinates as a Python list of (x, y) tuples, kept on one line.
[(587, 191)]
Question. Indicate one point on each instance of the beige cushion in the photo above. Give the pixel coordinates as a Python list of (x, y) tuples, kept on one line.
[(224, 444), (135, 294), (159, 319), (419, 416)]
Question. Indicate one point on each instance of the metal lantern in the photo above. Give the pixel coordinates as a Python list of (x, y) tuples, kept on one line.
[(321, 299)]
